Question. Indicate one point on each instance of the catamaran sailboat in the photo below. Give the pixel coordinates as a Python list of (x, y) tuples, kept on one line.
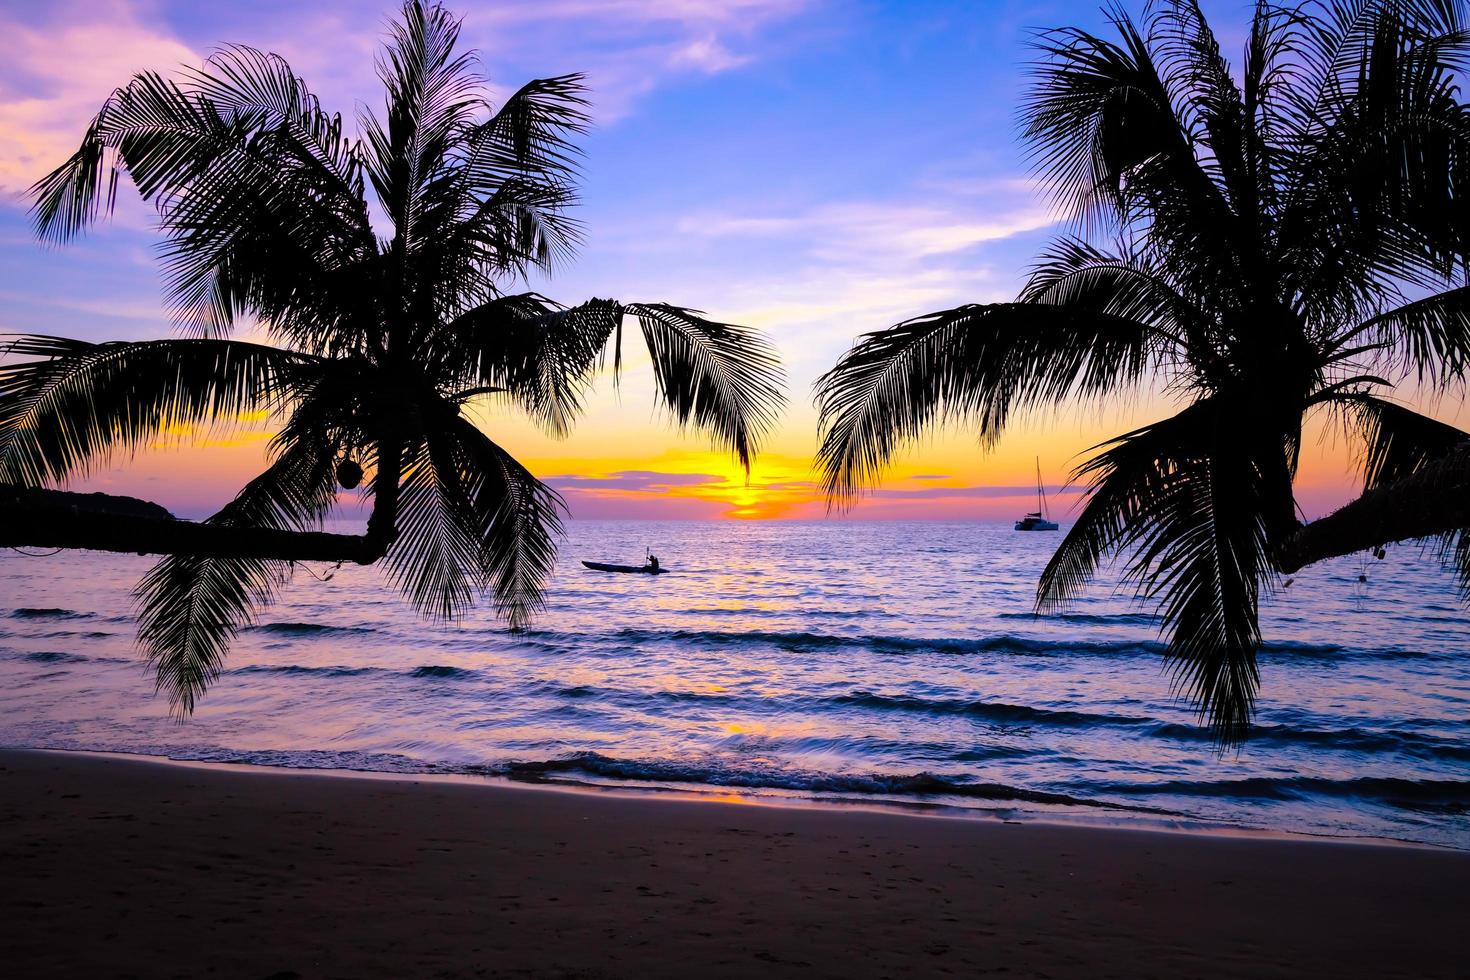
[(1040, 519)]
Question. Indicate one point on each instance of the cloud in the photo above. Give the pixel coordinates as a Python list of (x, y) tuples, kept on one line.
[(127, 309), (635, 481), (822, 271), (639, 45), (738, 13), (707, 54), (57, 73), (64, 58), (640, 495), (863, 229), (786, 485), (974, 493)]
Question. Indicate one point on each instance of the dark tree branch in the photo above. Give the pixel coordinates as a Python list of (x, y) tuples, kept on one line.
[(1431, 503)]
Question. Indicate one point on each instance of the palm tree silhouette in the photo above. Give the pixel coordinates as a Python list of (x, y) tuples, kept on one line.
[(1273, 243), (378, 342)]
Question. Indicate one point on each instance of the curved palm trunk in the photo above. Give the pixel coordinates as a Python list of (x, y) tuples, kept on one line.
[(1433, 502), (382, 527)]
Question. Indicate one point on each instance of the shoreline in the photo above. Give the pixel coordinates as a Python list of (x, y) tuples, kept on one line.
[(159, 869), (1107, 817)]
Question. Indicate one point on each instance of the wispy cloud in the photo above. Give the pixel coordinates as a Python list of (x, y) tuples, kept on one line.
[(685, 12), (635, 481), (60, 67), (126, 309), (641, 44), (63, 58), (966, 493), (873, 230), (823, 270)]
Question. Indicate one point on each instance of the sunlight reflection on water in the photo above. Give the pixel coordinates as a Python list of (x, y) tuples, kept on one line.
[(871, 660)]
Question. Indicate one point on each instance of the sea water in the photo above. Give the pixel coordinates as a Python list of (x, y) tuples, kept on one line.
[(881, 662)]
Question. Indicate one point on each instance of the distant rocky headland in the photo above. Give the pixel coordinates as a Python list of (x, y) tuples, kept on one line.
[(37, 498)]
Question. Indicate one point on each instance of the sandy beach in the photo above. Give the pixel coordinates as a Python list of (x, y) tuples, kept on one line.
[(123, 868)]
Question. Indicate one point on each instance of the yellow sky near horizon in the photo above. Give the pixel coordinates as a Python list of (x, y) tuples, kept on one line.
[(613, 466)]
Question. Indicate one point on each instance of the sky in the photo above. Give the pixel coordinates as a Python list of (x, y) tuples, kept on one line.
[(816, 168)]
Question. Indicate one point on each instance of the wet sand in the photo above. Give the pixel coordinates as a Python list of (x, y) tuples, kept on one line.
[(123, 868)]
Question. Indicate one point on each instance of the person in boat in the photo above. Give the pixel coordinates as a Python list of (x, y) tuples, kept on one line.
[(652, 562)]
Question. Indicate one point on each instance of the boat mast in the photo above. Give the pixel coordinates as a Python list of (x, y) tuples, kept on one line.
[(1040, 497)]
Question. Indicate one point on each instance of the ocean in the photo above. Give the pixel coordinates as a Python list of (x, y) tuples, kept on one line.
[(881, 663)]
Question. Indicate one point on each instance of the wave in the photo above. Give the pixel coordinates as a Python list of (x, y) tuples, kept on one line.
[(1343, 740), (302, 669), (425, 671), (1086, 619), (802, 641), (921, 786), (797, 640), (1352, 740), (55, 657), (1433, 795), (61, 657), (998, 713), (31, 612), (715, 774), (71, 634), (994, 710), (307, 629), (815, 704), (434, 670)]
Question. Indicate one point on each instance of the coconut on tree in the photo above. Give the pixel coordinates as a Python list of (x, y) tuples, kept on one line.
[(377, 342), (1264, 241)]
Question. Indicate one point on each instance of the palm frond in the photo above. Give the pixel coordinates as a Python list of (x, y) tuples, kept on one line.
[(541, 354), (1074, 273), (241, 82), (1429, 337), (1371, 201), (1227, 136), (1184, 500), (524, 224), (432, 96), (1399, 441), (529, 134), (719, 377), (472, 518), (191, 607), (972, 363), (1455, 552), (258, 194), (434, 560), (1106, 135), (514, 189), (66, 411), (518, 519)]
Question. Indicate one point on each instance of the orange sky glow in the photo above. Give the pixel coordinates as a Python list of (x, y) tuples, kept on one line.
[(625, 462)]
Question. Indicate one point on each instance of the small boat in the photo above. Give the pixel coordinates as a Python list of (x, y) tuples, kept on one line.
[(1038, 520), (602, 566)]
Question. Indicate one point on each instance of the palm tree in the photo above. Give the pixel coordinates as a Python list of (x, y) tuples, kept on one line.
[(1273, 240), (378, 343)]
